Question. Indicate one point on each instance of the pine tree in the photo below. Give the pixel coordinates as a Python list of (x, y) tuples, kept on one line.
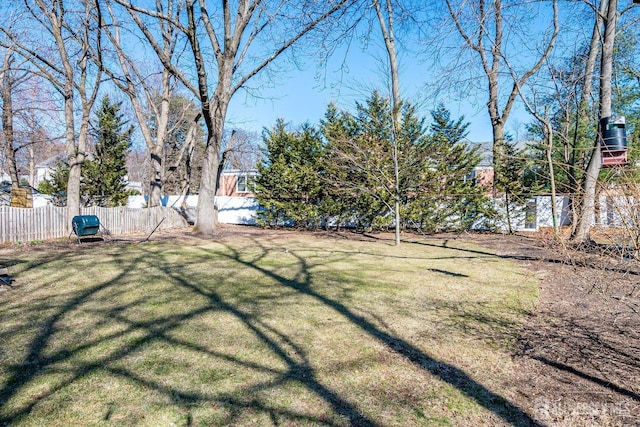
[(360, 165), (56, 185), (104, 177), (513, 182), (449, 198), (288, 187)]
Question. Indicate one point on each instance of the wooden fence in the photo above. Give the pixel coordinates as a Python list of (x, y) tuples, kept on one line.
[(49, 222)]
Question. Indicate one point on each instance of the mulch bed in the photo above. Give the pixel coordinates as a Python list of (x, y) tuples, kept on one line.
[(578, 356)]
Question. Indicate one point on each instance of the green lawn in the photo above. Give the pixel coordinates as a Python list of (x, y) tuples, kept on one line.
[(271, 328)]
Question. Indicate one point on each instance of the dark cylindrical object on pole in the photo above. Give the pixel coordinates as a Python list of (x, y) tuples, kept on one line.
[(614, 134)]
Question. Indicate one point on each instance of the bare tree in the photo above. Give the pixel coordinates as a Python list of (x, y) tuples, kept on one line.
[(590, 180), (26, 111), (585, 97), (230, 43), (244, 151), (482, 26), (386, 20), (138, 167), (548, 135), (8, 83), (36, 127), (141, 87), (64, 49)]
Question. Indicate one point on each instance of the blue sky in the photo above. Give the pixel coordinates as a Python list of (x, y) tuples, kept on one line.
[(298, 96)]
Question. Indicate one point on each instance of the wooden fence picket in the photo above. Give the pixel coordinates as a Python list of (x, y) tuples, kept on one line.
[(48, 222)]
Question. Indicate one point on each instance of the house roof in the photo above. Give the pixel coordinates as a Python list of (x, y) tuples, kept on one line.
[(52, 162), (240, 172), (486, 151)]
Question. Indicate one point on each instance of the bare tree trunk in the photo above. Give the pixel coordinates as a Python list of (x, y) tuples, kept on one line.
[(156, 183), (207, 218), (508, 208), (7, 120), (32, 166), (74, 162), (134, 84), (548, 134), (74, 77), (157, 145), (584, 114), (76, 150), (590, 182), (492, 56), (497, 128), (186, 153), (186, 181), (386, 26), (228, 35), (66, 68)]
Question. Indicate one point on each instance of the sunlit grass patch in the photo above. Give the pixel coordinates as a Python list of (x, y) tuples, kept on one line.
[(261, 329)]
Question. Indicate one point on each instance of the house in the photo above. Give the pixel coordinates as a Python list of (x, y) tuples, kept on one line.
[(27, 197), (44, 170), (482, 175), (237, 183), (4, 178)]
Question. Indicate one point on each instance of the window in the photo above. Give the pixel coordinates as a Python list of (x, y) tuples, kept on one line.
[(471, 176), (245, 183)]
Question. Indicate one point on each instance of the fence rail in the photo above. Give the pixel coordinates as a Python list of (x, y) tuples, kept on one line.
[(49, 222)]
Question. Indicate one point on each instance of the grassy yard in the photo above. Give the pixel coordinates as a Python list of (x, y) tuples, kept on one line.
[(261, 328)]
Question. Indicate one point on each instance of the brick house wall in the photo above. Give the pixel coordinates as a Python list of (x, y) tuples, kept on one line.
[(235, 183)]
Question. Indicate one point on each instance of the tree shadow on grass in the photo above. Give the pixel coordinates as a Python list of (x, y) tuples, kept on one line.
[(580, 346), (448, 373), (298, 367), (603, 359), (41, 358), (561, 255), (36, 360)]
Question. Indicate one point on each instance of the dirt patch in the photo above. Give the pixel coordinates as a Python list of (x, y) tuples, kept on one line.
[(578, 357)]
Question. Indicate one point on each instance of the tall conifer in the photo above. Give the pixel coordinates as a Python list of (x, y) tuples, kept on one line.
[(104, 177)]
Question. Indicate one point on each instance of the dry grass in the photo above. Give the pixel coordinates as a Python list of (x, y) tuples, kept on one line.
[(271, 328)]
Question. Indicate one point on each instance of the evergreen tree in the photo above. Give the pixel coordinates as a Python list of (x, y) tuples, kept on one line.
[(368, 157), (104, 177), (448, 196), (56, 186), (337, 204), (513, 182), (360, 166), (288, 187), (350, 177)]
